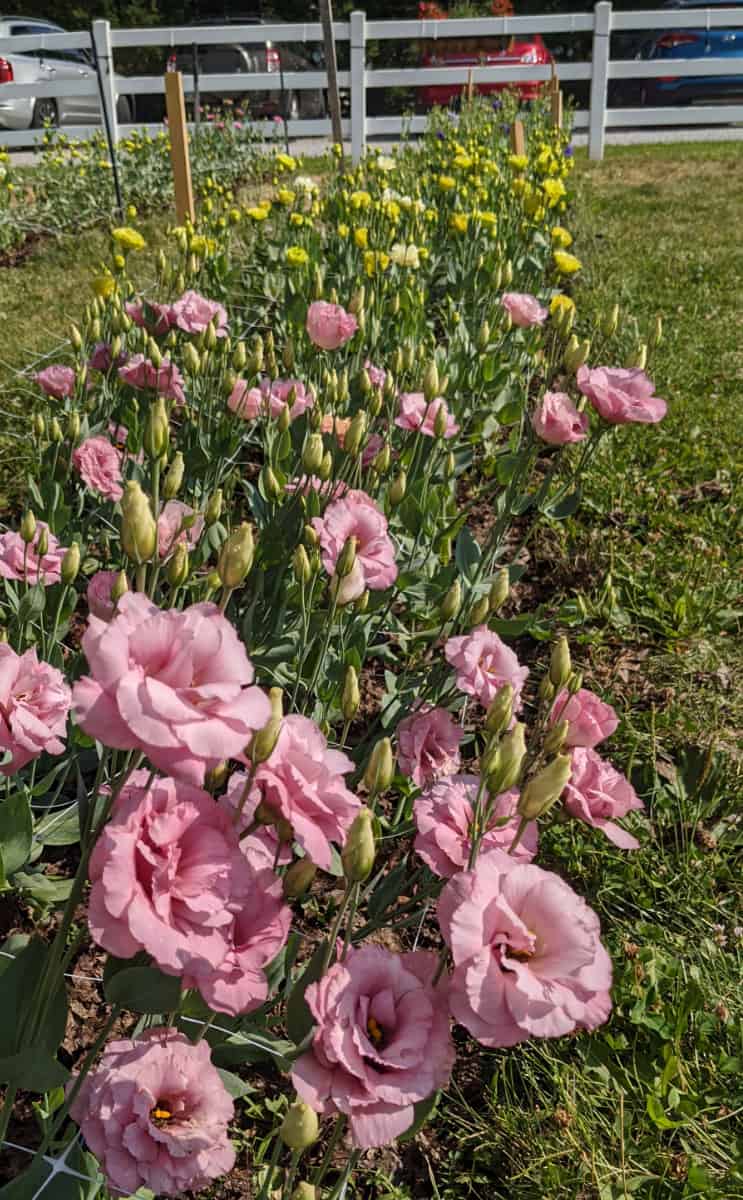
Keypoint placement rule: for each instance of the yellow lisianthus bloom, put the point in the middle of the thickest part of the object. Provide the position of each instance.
(361, 237)
(554, 190)
(519, 162)
(286, 161)
(567, 264)
(258, 213)
(463, 161)
(447, 183)
(391, 209)
(343, 230)
(459, 222)
(359, 199)
(487, 218)
(561, 304)
(296, 218)
(104, 286)
(285, 196)
(297, 256)
(128, 238)
(375, 260)
(519, 186)
(561, 237)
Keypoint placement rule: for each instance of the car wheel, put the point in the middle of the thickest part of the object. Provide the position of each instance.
(45, 113)
(123, 111)
(291, 106)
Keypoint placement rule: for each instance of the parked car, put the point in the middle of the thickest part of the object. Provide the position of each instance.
(257, 58)
(48, 66)
(672, 45)
(473, 53)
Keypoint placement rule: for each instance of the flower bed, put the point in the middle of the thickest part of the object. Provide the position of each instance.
(260, 672)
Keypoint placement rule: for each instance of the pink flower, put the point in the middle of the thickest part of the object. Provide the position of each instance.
(303, 782)
(169, 527)
(381, 1045)
(356, 515)
(483, 664)
(428, 742)
(371, 449)
(337, 425)
(166, 379)
(102, 359)
(98, 464)
(56, 381)
(377, 375)
(193, 314)
(98, 595)
(597, 794)
(13, 554)
(556, 420)
(524, 309)
(329, 325)
(591, 720)
(173, 684)
(34, 703)
(270, 399)
(528, 961)
(329, 488)
(621, 395)
(157, 319)
(155, 1112)
(443, 815)
(417, 415)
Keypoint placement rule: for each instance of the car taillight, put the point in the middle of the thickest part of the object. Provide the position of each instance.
(669, 40)
(273, 59)
(6, 71)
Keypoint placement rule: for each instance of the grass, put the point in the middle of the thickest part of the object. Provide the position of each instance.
(650, 1106)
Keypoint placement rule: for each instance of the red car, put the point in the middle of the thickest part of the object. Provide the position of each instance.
(470, 53)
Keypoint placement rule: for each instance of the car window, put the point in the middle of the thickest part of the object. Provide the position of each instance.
(221, 60)
(69, 56)
(28, 30)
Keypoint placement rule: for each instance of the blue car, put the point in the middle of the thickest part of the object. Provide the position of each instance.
(672, 45)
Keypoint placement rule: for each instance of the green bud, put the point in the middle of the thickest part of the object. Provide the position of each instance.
(575, 682)
(326, 466)
(240, 356)
(639, 358)
(156, 429)
(545, 788)
(576, 353)
(347, 558)
(450, 465)
(300, 1127)
(271, 485)
(507, 273)
(153, 352)
(263, 741)
(560, 666)
(210, 336)
(380, 768)
(381, 462)
(276, 697)
(177, 572)
(479, 612)
(499, 590)
(236, 556)
(555, 737)
(42, 542)
(397, 489)
(363, 382)
(656, 334)
(440, 421)
(505, 770)
(375, 402)
(174, 477)
(500, 711)
(311, 537)
(483, 336)
(39, 425)
(304, 1191)
(76, 338)
(431, 383)
(70, 564)
(298, 878)
(191, 358)
(28, 526)
(213, 510)
(356, 303)
(452, 602)
(55, 431)
(120, 587)
(360, 850)
(610, 321)
(351, 697)
(73, 426)
(301, 565)
(362, 603)
(312, 454)
(355, 433)
(138, 527)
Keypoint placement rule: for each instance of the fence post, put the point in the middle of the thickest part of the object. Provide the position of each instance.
(104, 55)
(599, 80)
(358, 85)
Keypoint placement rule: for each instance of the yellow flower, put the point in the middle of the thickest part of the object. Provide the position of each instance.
(235, 216)
(487, 218)
(391, 209)
(128, 238)
(567, 264)
(447, 183)
(554, 190)
(375, 260)
(258, 213)
(459, 222)
(360, 199)
(361, 238)
(560, 304)
(463, 161)
(405, 256)
(296, 219)
(519, 162)
(343, 230)
(104, 286)
(297, 256)
(561, 237)
(285, 196)
(131, 212)
(286, 161)
(519, 186)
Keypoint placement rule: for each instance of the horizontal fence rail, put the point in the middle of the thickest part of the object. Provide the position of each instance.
(359, 79)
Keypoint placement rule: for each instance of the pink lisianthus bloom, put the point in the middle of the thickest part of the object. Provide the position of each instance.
(157, 319)
(14, 554)
(600, 795)
(382, 1042)
(34, 703)
(166, 379)
(336, 425)
(172, 684)
(416, 415)
(330, 326)
(331, 488)
(102, 359)
(371, 449)
(117, 1107)
(262, 847)
(57, 381)
(428, 742)
(590, 719)
(303, 782)
(444, 814)
(169, 527)
(98, 595)
(356, 515)
(193, 314)
(556, 420)
(98, 464)
(270, 399)
(621, 395)
(524, 309)
(528, 960)
(483, 664)
(377, 375)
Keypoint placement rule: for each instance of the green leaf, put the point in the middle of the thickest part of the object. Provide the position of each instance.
(411, 515)
(140, 988)
(236, 1086)
(35, 1069)
(40, 888)
(423, 1110)
(299, 1019)
(467, 554)
(16, 832)
(657, 1114)
(33, 603)
(565, 507)
(61, 828)
(21, 979)
(251, 1047)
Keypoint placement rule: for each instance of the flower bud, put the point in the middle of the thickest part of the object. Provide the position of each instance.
(263, 741)
(355, 433)
(610, 321)
(39, 425)
(55, 431)
(138, 528)
(191, 358)
(213, 510)
(276, 698)
(346, 558)
(381, 767)
(73, 426)
(28, 526)
(298, 878)
(639, 358)
(240, 356)
(479, 612)
(271, 485)
(452, 602)
(351, 697)
(120, 587)
(440, 421)
(381, 462)
(360, 850)
(362, 603)
(236, 556)
(153, 352)
(656, 334)
(397, 489)
(560, 666)
(431, 385)
(215, 778)
(575, 682)
(42, 544)
(76, 338)
(156, 430)
(500, 712)
(505, 770)
(311, 537)
(499, 590)
(546, 690)
(555, 737)
(301, 565)
(304, 1191)
(313, 452)
(300, 1127)
(210, 336)
(326, 466)
(483, 336)
(545, 788)
(576, 353)
(177, 572)
(507, 273)
(70, 564)
(174, 477)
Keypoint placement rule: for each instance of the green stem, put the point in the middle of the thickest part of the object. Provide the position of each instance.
(329, 1149)
(272, 1162)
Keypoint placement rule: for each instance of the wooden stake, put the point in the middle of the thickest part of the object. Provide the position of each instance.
(470, 84)
(331, 66)
(178, 131)
(518, 141)
(556, 108)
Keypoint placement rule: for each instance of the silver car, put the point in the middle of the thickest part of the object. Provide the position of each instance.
(48, 66)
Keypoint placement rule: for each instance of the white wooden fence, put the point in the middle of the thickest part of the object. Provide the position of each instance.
(359, 79)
